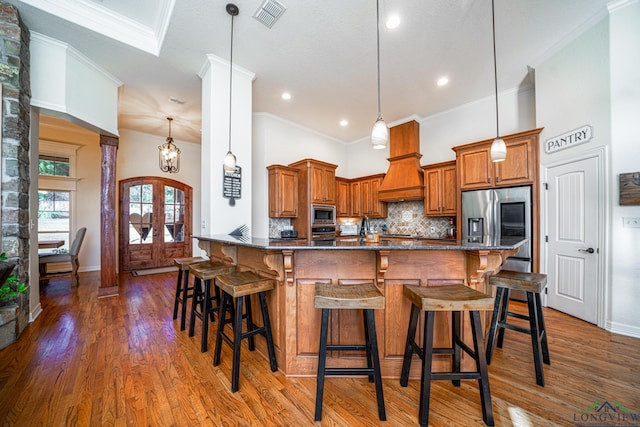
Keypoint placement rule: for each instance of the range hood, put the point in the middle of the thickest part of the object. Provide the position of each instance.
(405, 178)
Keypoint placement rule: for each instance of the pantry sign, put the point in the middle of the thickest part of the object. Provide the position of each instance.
(569, 139)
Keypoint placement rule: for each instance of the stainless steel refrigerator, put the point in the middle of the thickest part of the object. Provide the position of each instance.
(498, 215)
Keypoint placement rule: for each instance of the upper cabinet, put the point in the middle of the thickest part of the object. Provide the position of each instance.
(371, 204)
(283, 192)
(440, 189)
(321, 180)
(476, 170)
(359, 197)
(343, 197)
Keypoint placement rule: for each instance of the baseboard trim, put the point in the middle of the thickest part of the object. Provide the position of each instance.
(623, 329)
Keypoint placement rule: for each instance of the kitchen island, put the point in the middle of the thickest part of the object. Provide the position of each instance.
(297, 265)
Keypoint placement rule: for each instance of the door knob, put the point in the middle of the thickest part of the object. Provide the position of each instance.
(587, 251)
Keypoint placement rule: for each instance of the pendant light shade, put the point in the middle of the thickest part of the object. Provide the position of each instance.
(498, 147)
(229, 164)
(169, 154)
(379, 134)
(380, 131)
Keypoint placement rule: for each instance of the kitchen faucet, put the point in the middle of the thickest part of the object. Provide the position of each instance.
(364, 227)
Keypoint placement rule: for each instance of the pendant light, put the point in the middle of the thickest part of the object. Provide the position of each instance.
(498, 147)
(229, 164)
(169, 155)
(380, 131)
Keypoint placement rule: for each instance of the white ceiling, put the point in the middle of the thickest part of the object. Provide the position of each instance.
(322, 52)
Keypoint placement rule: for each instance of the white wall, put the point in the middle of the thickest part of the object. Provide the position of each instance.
(138, 156)
(594, 81)
(277, 141)
(624, 45)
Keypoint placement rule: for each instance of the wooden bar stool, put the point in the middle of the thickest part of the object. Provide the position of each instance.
(361, 296)
(238, 287)
(454, 298)
(203, 273)
(533, 284)
(182, 293)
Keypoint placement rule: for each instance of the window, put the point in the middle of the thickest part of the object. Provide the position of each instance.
(54, 216)
(53, 165)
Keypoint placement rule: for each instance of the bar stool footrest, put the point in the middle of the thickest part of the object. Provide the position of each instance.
(346, 347)
(514, 328)
(455, 375)
(349, 371)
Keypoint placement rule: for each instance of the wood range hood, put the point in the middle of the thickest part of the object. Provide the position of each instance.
(405, 178)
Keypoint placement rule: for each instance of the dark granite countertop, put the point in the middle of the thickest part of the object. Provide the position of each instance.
(357, 242)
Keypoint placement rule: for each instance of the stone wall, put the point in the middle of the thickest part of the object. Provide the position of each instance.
(14, 162)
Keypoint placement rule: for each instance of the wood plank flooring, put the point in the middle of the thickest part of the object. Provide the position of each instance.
(123, 361)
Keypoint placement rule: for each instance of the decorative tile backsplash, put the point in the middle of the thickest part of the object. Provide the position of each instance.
(402, 218)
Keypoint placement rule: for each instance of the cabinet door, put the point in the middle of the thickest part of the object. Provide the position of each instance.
(343, 197)
(518, 166)
(367, 197)
(316, 174)
(448, 193)
(475, 168)
(329, 185)
(283, 193)
(356, 198)
(378, 208)
(432, 179)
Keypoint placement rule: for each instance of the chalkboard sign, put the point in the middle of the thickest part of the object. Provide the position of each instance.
(232, 184)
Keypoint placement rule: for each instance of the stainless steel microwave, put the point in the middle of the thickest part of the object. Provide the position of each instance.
(323, 215)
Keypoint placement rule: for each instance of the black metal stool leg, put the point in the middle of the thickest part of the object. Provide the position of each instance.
(237, 344)
(372, 345)
(409, 347)
(250, 325)
(206, 312)
(494, 323)
(481, 364)
(367, 343)
(503, 316)
(177, 298)
(224, 307)
(322, 358)
(267, 331)
(535, 338)
(196, 300)
(543, 331)
(185, 297)
(425, 380)
(456, 328)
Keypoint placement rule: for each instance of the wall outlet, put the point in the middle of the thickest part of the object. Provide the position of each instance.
(432, 229)
(631, 222)
(204, 223)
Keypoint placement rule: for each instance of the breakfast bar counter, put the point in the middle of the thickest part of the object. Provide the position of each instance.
(297, 265)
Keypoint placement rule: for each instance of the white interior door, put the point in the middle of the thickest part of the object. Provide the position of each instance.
(573, 233)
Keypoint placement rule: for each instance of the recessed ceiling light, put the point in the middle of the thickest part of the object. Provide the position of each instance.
(442, 81)
(176, 100)
(286, 96)
(393, 22)
(344, 122)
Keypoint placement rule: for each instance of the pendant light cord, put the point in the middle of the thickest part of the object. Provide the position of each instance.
(495, 66)
(378, 51)
(230, 81)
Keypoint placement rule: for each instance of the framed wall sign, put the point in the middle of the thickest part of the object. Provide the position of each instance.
(232, 185)
(630, 189)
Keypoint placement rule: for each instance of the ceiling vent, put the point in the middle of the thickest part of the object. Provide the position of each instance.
(269, 12)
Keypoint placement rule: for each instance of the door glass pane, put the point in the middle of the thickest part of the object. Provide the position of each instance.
(53, 217)
(140, 214)
(173, 214)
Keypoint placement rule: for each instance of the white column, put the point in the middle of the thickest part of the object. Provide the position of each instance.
(218, 217)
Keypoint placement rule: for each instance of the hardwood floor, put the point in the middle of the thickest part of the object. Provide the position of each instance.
(123, 361)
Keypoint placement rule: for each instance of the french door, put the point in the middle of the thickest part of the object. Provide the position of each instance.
(155, 222)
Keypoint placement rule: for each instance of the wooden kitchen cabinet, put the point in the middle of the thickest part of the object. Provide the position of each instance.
(355, 189)
(322, 181)
(283, 192)
(476, 170)
(343, 197)
(372, 207)
(440, 189)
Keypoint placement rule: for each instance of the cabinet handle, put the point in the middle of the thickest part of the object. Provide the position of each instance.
(497, 179)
